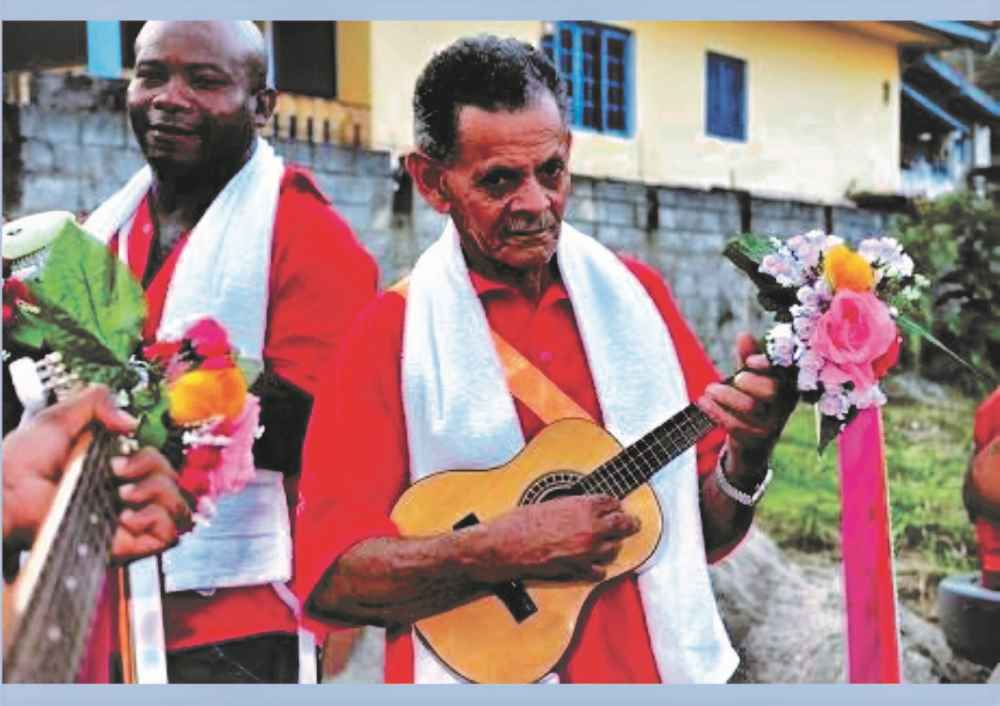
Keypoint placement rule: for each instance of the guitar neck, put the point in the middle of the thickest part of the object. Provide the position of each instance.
(637, 463)
(57, 593)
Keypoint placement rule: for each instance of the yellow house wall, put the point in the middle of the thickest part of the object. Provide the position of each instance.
(354, 63)
(400, 50)
(817, 125)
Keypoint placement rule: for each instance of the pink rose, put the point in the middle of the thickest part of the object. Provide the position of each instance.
(855, 331)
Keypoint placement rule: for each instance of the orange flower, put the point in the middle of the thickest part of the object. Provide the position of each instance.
(845, 269)
(202, 394)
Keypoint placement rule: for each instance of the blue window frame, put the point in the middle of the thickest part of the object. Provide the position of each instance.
(595, 61)
(725, 97)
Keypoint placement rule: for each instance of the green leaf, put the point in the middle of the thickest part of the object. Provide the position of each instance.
(747, 252)
(27, 331)
(912, 327)
(830, 428)
(94, 290)
(153, 423)
(750, 247)
(82, 353)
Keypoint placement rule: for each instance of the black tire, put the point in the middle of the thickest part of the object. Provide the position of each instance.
(970, 617)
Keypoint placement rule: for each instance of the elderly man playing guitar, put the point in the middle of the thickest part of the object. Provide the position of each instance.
(509, 323)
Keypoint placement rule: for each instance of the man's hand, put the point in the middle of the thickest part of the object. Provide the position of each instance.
(753, 410)
(34, 458)
(155, 512)
(572, 538)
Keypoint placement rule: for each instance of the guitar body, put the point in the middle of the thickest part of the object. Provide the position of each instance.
(482, 640)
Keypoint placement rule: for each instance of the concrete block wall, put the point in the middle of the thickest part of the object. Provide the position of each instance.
(75, 148)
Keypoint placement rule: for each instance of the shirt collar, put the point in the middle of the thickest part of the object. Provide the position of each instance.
(487, 286)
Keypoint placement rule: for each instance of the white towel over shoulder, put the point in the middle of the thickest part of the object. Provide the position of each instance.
(459, 414)
(224, 269)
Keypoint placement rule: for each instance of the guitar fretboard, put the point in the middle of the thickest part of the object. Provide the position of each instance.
(639, 462)
(50, 635)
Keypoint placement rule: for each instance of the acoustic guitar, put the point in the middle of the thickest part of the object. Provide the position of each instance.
(55, 596)
(519, 631)
(50, 610)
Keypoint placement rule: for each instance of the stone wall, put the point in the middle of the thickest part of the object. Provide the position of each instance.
(72, 147)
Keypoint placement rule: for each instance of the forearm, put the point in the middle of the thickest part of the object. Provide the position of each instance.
(724, 520)
(389, 580)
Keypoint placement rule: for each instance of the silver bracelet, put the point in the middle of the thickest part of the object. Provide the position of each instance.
(734, 493)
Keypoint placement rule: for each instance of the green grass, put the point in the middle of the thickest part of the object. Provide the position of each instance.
(927, 451)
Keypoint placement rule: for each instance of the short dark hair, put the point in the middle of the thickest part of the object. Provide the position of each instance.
(483, 71)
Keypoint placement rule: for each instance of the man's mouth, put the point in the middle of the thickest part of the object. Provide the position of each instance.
(167, 129)
(528, 233)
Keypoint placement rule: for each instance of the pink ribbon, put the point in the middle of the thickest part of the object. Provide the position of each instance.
(873, 655)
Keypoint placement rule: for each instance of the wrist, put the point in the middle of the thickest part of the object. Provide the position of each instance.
(746, 489)
(477, 554)
(745, 466)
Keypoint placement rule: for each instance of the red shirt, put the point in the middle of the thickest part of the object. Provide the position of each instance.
(987, 425)
(355, 463)
(320, 279)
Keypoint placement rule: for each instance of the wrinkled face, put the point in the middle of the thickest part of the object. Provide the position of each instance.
(190, 101)
(508, 185)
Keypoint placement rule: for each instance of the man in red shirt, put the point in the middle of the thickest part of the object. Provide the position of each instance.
(217, 224)
(493, 148)
(982, 489)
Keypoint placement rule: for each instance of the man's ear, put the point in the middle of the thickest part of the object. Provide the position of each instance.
(428, 175)
(266, 99)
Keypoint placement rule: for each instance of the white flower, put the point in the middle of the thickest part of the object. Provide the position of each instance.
(781, 345)
(831, 241)
(783, 267)
(871, 397)
(887, 256)
(807, 248)
(834, 403)
(810, 361)
(808, 379)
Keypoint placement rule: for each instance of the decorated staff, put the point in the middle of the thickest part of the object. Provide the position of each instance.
(839, 315)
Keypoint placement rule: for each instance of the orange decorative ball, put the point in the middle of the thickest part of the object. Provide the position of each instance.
(845, 269)
(202, 394)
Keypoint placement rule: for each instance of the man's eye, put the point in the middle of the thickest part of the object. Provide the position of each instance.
(497, 180)
(553, 169)
(148, 77)
(206, 82)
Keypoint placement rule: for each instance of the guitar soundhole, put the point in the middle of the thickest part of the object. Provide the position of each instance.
(558, 484)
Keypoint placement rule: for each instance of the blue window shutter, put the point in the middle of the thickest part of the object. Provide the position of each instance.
(104, 49)
(595, 61)
(725, 103)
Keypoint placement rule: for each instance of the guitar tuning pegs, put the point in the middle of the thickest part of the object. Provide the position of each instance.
(127, 445)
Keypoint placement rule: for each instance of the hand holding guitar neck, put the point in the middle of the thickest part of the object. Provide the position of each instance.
(34, 461)
(752, 406)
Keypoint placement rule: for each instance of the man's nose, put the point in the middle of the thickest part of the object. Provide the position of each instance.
(172, 95)
(530, 198)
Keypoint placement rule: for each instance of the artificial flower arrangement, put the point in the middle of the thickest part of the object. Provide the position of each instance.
(188, 390)
(838, 314)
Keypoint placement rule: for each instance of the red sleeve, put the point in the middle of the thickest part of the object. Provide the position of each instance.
(321, 278)
(355, 458)
(987, 425)
(698, 369)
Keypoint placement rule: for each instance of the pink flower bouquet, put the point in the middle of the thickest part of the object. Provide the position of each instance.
(837, 315)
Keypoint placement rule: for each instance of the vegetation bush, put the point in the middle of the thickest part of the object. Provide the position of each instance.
(955, 241)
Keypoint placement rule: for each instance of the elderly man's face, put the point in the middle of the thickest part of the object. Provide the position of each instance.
(507, 188)
(190, 100)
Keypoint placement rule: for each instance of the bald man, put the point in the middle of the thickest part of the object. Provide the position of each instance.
(217, 224)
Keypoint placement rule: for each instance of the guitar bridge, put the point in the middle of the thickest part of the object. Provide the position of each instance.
(511, 593)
